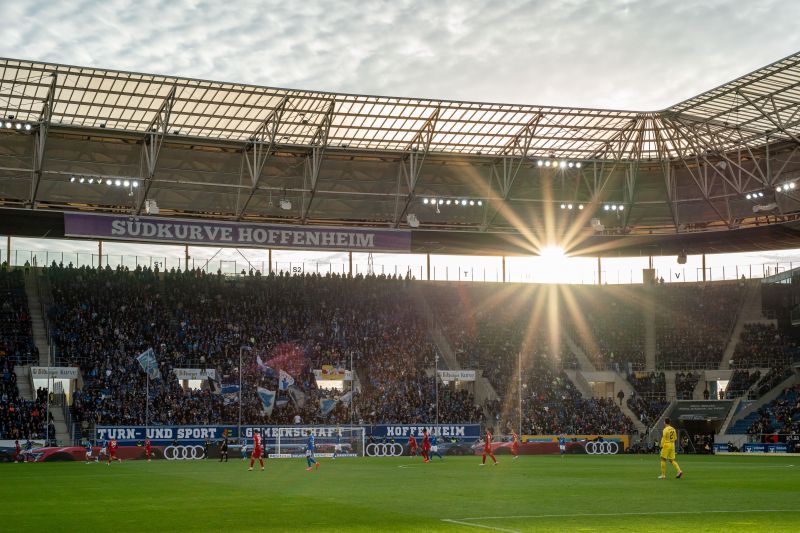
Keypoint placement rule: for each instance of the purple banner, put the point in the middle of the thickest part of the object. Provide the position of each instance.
(180, 231)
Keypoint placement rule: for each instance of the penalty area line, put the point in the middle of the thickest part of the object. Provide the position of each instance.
(470, 524)
(642, 513)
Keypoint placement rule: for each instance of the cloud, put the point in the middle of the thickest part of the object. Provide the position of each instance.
(618, 54)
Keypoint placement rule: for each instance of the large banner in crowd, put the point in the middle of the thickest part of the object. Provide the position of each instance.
(199, 434)
(401, 432)
(55, 372)
(180, 231)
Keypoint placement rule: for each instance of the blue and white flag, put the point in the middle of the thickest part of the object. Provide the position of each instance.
(264, 367)
(346, 398)
(326, 405)
(147, 360)
(267, 399)
(285, 380)
(297, 396)
(230, 394)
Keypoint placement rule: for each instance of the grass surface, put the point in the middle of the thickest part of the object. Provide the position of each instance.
(532, 493)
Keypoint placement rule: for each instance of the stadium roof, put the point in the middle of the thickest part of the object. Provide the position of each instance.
(370, 160)
(743, 111)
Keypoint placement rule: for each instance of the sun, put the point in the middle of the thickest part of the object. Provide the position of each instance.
(552, 253)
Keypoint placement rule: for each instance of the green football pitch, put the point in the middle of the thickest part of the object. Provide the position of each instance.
(532, 493)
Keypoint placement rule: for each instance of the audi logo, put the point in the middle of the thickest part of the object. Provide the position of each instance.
(608, 447)
(182, 453)
(384, 449)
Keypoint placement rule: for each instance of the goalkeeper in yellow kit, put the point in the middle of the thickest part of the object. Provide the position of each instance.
(668, 438)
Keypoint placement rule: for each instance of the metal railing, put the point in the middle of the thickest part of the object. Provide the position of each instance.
(465, 272)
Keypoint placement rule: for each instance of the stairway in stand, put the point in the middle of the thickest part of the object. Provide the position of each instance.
(38, 318)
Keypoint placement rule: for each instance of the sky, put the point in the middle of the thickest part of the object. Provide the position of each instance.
(623, 54)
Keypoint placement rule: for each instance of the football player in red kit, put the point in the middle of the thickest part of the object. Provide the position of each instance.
(256, 452)
(412, 446)
(426, 446)
(147, 449)
(514, 444)
(112, 451)
(487, 448)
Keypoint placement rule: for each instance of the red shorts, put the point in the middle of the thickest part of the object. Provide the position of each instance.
(487, 451)
(147, 451)
(257, 452)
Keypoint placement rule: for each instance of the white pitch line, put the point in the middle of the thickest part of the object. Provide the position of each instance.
(648, 513)
(469, 524)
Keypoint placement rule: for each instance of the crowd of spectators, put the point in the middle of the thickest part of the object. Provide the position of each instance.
(19, 419)
(551, 404)
(762, 345)
(685, 382)
(650, 396)
(694, 322)
(772, 379)
(16, 333)
(609, 326)
(101, 319)
(740, 383)
(781, 416)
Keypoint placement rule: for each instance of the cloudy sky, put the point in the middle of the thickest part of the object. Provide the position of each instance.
(623, 54)
(641, 55)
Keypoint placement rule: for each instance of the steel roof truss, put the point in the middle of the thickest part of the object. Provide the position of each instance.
(153, 140)
(314, 162)
(40, 140)
(261, 146)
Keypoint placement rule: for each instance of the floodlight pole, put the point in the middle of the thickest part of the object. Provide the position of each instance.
(147, 401)
(47, 416)
(436, 384)
(239, 429)
(352, 391)
(519, 393)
